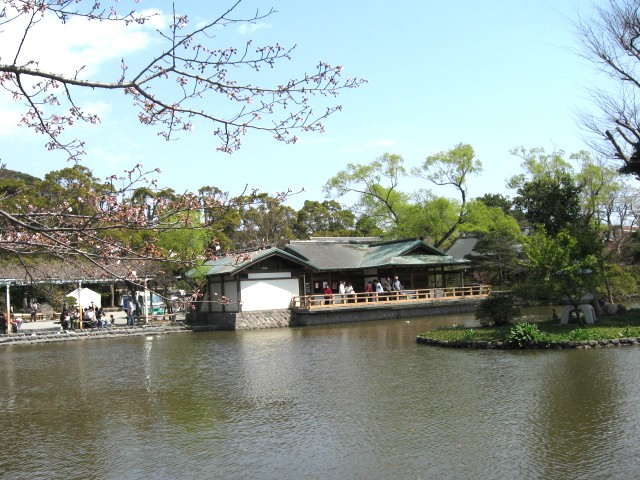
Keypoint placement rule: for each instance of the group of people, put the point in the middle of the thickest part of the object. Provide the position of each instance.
(92, 317)
(386, 285)
(375, 288)
(15, 322)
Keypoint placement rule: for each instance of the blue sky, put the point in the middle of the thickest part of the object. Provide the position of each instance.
(496, 74)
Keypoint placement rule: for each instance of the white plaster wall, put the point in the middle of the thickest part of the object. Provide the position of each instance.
(273, 294)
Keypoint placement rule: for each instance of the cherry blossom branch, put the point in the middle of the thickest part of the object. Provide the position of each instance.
(170, 89)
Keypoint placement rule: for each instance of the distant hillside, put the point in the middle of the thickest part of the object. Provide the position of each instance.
(6, 174)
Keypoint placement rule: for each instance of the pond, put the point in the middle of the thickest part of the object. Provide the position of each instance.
(359, 401)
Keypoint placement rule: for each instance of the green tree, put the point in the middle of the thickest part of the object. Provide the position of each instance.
(562, 267)
(73, 187)
(367, 227)
(451, 168)
(549, 195)
(326, 219)
(498, 310)
(376, 185)
(221, 214)
(499, 239)
(264, 221)
(552, 204)
(430, 218)
(497, 200)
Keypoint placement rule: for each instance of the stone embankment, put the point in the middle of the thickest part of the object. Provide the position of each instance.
(244, 321)
(52, 335)
(615, 342)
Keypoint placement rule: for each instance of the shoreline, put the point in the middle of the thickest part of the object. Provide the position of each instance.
(45, 335)
(535, 345)
(50, 331)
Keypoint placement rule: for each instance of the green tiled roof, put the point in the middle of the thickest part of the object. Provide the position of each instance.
(336, 255)
(332, 255)
(235, 263)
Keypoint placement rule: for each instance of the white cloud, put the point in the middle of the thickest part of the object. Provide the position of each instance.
(60, 48)
(77, 44)
(97, 108)
(10, 115)
(249, 28)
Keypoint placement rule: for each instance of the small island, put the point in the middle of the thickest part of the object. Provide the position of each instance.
(608, 331)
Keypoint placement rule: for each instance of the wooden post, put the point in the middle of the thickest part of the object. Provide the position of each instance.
(146, 305)
(8, 312)
(81, 313)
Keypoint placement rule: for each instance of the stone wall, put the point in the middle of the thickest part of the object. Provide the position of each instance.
(26, 337)
(242, 320)
(388, 312)
(286, 318)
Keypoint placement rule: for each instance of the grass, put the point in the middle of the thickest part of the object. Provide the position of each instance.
(606, 328)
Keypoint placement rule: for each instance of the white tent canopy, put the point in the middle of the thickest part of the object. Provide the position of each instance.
(85, 296)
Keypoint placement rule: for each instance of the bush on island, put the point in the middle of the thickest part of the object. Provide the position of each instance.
(497, 309)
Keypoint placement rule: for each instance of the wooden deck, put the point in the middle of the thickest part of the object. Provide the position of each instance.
(308, 303)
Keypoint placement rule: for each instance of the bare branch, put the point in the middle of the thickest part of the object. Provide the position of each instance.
(171, 88)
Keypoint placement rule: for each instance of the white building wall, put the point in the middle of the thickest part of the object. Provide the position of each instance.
(271, 294)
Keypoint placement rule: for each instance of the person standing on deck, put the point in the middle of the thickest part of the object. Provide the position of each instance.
(396, 286)
(327, 294)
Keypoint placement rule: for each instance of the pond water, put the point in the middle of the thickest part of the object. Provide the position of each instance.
(355, 401)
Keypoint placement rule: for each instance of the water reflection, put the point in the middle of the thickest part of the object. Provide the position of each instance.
(342, 401)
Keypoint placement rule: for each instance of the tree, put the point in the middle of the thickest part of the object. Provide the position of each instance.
(221, 214)
(549, 195)
(564, 267)
(326, 219)
(497, 200)
(497, 250)
(376, 185)
(552, 204)
(452, 168)
(188, 79)
(428, 217)
(264, 221)
(610, 41)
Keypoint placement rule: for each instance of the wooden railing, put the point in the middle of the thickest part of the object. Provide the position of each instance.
(320, 301)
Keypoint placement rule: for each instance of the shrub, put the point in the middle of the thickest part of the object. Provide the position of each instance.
(524, 333)
(497, 310)
(583, 335)
(468, 335)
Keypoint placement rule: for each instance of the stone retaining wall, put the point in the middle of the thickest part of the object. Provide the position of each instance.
(387, 312)
(286, 318)
(52, 336)
(242, 321)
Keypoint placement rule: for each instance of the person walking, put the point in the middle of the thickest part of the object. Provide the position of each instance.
(131, 311)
